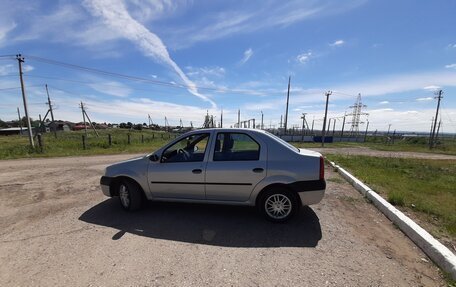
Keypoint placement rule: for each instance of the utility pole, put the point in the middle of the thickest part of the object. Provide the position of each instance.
(334, 126)
(54, 128)
(20, 60)
(221, 119)
(313, 121)
(437, 133)
(150, 120)
(239, 118)
(288, 99)
(84, 118)
(327, 94)
(438, 97)
(304, 129)
(389, 127)
(329, 126)
(343, 126)
(430, 132)
(280, 121)
(262, 126)
(365, 134)
(20, 120)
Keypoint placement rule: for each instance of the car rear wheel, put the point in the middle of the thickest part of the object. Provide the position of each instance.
(279, 205)
(129, 195)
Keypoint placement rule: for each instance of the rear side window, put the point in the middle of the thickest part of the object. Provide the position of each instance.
(235, 147)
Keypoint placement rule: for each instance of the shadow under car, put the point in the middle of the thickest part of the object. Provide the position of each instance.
(219, 225)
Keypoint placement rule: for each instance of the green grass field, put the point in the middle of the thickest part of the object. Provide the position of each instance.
(427, 187)
(70, 143)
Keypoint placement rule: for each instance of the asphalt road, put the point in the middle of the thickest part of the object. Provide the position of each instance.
(58, 229)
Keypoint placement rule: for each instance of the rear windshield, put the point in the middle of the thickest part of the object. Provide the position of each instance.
(282, 142)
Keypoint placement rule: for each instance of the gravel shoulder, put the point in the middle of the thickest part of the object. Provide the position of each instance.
(378, 153)
(58, 229)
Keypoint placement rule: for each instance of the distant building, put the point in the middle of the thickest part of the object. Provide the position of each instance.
(58, 125)
(14, 131)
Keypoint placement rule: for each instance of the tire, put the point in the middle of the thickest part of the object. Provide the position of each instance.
(278, 205)
(130, 196)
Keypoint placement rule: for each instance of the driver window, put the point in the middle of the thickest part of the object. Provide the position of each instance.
(188, 149)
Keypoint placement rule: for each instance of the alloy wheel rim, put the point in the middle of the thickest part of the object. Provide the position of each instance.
(124, 196)
(278, 206)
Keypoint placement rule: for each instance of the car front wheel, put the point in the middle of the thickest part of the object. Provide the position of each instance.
(129, 195)
(278, 206)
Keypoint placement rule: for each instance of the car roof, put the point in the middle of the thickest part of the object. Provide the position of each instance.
(232, 130)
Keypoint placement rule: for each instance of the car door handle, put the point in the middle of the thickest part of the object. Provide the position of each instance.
(258, 170)
(197, 171)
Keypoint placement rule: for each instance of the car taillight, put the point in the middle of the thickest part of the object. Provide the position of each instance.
(322, 168)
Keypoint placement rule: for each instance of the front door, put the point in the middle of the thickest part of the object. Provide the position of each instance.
(237, 165)
(181, 170)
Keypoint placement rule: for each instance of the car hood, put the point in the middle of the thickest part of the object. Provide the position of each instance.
(123, 165)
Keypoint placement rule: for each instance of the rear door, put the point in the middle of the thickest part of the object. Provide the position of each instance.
(237, 163)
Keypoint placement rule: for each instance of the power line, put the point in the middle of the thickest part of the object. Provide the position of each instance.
(136, 78)
(15, 88)
(107, 73)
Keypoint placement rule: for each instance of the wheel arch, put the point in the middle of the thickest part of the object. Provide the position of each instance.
(280, 186)
(113, 187)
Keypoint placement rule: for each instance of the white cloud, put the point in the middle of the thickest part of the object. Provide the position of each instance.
(398, 83)
(304, 57)
(206, 71)
(247, 54)
(431, 88)
(111, 88)
(450, 66)
(152, 10)
(384, 102)
(253, 17)
(424, 99)
(116, 16)
(337, 43)
(7, 69)
(5, 29)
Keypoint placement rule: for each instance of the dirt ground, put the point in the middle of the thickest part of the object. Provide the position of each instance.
(58, 229)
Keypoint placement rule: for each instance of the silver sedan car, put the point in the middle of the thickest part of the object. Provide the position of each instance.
(222, 166)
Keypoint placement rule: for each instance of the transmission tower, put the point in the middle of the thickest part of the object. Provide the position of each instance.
(208, 121)
(356, 115)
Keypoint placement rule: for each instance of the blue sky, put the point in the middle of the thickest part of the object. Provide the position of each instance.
(195, 56)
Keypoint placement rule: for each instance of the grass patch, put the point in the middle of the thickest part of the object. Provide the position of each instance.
(396, 198)
(70, 143)
(425, 186)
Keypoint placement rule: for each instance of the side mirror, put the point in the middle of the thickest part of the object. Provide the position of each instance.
(154, 157)
(195, 148)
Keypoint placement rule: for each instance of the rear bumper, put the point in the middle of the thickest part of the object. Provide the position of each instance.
(310, 192)
(105, 183)
(311, 197)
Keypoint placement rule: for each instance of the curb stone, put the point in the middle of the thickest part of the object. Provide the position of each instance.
(439, 253)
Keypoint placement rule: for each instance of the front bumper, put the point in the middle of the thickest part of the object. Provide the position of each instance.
(105, 183)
